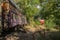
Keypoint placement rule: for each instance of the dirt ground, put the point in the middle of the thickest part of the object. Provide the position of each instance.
(34, 33)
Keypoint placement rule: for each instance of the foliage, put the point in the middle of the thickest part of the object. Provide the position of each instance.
(29, 8)
(49, 10)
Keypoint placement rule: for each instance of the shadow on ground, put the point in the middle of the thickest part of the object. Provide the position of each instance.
(37, 35)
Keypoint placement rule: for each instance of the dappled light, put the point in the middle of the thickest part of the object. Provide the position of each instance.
(29, 19)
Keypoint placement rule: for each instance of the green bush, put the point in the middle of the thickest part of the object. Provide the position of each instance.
(57, 21)
(49, 23)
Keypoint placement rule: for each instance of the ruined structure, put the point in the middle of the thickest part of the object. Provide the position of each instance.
(11, 15)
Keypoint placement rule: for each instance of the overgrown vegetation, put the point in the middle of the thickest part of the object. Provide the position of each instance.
(49, 10)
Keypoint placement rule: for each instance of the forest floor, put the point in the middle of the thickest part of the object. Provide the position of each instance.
(34, 33)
